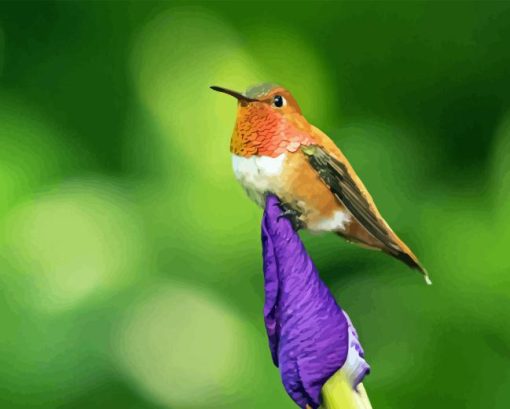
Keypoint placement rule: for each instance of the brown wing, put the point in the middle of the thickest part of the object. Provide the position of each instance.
(341, 183)
(334, 174)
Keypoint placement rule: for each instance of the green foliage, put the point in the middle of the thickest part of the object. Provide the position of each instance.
(130, 263)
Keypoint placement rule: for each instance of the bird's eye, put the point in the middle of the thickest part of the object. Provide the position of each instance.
(278, 101)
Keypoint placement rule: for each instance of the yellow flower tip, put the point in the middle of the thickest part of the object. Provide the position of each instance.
(338, 393)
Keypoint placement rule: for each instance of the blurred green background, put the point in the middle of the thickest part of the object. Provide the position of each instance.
(130, 268)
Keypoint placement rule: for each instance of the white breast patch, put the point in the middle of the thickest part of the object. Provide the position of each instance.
(259, 174)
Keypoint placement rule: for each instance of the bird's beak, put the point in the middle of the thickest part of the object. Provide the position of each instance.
(240, 97)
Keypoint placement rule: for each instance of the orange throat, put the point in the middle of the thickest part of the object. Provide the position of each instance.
(260, 131)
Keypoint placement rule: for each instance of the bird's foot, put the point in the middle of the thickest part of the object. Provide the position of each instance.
(292, 215)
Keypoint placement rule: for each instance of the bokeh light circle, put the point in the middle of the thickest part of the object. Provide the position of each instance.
(183, 348)
(173, 83)
(74, 241)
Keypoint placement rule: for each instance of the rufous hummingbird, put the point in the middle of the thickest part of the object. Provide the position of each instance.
(276, 150)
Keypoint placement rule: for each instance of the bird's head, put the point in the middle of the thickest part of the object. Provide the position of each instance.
(269, 121)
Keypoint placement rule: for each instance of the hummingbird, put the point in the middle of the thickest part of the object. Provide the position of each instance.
(275, 150)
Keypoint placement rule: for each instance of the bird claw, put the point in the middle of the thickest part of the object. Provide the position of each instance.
(292, 215)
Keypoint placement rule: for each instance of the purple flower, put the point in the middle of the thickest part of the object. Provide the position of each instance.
(310, 337)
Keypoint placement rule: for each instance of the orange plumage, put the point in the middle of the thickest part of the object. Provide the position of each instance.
(275, 150)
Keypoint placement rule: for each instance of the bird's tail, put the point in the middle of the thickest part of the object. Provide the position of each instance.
(397, 249)
(412, 261)
(338, 393)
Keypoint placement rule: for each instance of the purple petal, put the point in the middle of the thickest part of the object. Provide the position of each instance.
(271, 293)
(355, 365)
(310, 337)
